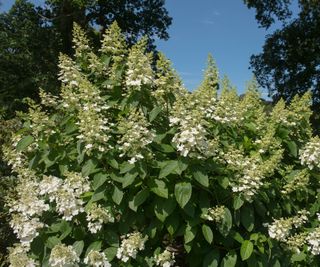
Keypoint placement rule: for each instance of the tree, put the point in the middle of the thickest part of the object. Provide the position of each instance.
(28, 52)
(32, 37)
(290, 61)
(136, 18)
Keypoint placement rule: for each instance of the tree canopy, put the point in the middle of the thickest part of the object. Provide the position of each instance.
(290, 61)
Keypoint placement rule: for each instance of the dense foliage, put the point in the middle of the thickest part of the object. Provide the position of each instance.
(127, 168)
(290, 61)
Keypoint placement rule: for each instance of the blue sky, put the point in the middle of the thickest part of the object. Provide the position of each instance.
(224, 28)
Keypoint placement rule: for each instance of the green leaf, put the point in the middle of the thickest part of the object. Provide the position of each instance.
(189, 234)
(246, 250)
(128, 179)
(24, 143)
(126, 167)
(89, 167)
(98, 195)
(230, 259)
(78, 247)
(169, 167)
(154, 113)
(117, 195)
(223, 181)
(172, 223)
(182, 192)
(111, 253)
(138, 199)
(52, 241)
(163, 208)
(226, 224)
(293, 149)
(207, 233)
(98, 180)
(298, 257)
(201, 178)
(159, 187)
(211, 259)
(237, 202)
(247, 218)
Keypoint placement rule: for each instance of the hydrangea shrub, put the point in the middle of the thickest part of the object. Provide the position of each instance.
(127, 168)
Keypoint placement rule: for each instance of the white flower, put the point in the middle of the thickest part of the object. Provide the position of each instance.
(310, 154)
(165, 259)
(26, 229)
(97, 216)
(313, 240)
(97, 259)
(62, 256)
(18, 257)
(130, 246)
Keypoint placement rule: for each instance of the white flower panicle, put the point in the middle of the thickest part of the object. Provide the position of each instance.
(135, 136)
(66, 193)
(310, 154)
(167, 81)
(113, 41)
(165, 259)
(130, 246)
(25, 228)
(280, 228)
(139, 70)
(80, 41)
(297, 180)
(228, 109)
(62, 256)
(69, 74)
(18, 257)
(215, 214)
(28, 203)
(26, 208)
(96, 259)
(249, 180)
(97, 216)
(313, 241)
(48, 99)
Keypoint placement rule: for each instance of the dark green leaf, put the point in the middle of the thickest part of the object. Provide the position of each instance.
(24, 143)
(159, 187)
(201, 178)
(292, 146)
(189, 234)
(211, 259)
(247, 218)
(89, 167)
(237, 202)
(207, 233)
(111, 253)
(52, 241)
(154, 113)
(98, 180)
(226, 224)
(169, 167)
(138, 199)
(78, 247)
(128, 179)
(163, 208)
(117, 195)
(182, 192)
